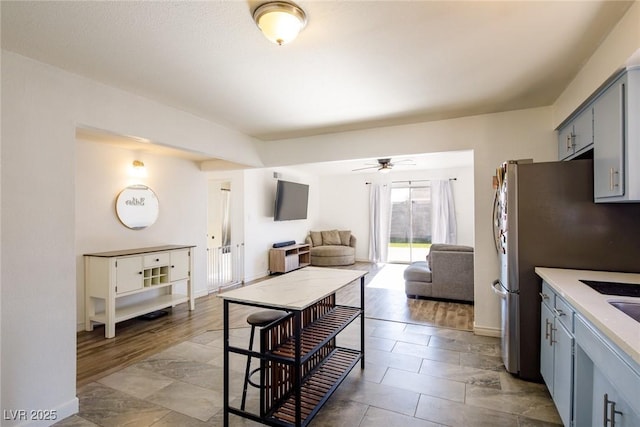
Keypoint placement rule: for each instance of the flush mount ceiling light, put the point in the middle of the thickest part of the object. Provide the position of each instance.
(280, 21)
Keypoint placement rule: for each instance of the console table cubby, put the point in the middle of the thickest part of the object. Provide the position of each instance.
(120, 285)
(289, 258)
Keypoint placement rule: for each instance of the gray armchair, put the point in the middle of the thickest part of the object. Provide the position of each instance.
(447, 273)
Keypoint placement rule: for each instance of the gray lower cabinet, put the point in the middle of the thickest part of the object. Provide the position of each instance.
(607, 383)
(556, 351)
(591, 380)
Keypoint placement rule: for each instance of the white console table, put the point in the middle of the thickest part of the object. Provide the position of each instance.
(116, 280)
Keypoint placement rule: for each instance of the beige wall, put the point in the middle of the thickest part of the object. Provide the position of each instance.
(41, 108)
(493, 138)
(621, 43)
(102, 171)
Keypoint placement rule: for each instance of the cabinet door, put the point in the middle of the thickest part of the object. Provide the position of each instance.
(128, 274)
(583, 131)
(180, 265)
(608, 403)
(609, 139)
(546, 348)
(562, 371)
(565, 142)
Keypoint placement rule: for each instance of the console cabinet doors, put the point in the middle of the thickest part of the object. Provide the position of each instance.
(128, 274)
(180, 265)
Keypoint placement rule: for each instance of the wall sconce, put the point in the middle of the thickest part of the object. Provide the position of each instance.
(280, 21)
(138, 170)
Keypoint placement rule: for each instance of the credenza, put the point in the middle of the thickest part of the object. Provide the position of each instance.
(123, 284)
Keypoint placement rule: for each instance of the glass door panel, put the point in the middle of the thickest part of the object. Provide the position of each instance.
(410, 231)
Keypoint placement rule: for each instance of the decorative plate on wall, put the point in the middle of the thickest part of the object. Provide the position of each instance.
(137, 207)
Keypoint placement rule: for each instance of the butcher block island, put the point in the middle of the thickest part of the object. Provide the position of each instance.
(590, 345)
(300, 363)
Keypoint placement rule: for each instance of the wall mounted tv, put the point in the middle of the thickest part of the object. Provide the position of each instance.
(292, 200)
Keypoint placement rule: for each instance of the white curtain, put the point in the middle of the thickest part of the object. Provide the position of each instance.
(379, 221)
(443, 219)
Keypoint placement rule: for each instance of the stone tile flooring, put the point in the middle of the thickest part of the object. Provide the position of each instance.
(414, 376)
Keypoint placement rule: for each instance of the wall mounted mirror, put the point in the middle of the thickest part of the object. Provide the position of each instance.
(137, 207)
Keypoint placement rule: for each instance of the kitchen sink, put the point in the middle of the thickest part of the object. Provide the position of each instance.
(631, 309)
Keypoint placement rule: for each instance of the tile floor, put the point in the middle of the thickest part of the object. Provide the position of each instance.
(414, 376)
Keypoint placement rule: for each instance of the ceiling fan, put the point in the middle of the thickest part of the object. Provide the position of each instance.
(385, 165)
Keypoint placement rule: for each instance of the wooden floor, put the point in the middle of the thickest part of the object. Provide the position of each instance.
(137, 339)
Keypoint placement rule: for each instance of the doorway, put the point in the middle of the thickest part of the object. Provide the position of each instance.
(410, 229)
(224, 259)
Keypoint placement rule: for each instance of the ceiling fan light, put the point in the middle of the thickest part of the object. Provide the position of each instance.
(384, 168)
(280, 22)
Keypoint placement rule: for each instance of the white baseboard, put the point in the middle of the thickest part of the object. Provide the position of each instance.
(54, 415)
(487, 331)
(201, 293)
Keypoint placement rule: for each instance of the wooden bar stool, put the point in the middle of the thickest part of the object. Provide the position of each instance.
(258, 319)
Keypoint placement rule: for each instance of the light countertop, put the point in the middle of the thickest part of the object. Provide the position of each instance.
(296, 290)
(613, 323)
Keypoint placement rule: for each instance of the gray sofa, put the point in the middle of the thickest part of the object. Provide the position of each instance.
(447, 274)
(332, 247)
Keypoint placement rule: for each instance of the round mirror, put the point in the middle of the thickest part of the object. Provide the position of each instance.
(137, 207)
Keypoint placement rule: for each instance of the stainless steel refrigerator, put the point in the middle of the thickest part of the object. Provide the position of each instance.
(544, 215)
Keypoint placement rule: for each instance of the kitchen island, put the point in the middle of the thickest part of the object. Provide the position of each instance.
(590, 350)
(300, 363)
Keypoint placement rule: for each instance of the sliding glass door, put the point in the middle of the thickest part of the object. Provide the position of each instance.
(410, 231)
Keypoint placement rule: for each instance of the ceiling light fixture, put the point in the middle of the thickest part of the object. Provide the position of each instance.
(280, 21)
(385, 168)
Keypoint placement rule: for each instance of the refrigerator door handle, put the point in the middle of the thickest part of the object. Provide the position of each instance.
(495, 285)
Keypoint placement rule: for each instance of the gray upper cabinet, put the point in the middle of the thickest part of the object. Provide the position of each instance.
(608, 121)
(576, 136)
(609, 135)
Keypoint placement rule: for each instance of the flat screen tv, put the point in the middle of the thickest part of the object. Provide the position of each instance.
(291, 201)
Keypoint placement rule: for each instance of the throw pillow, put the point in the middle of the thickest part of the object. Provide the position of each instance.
(316, 238)
(331, 237)
(345, 237)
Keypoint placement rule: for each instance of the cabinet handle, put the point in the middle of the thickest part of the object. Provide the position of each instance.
(546, 330)
(173, 266)
(544, 296)
(610, 404)
(613, 179)
(139, 272)
(559, 313)
(551, 340)
(570, 141)
(157, 259)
